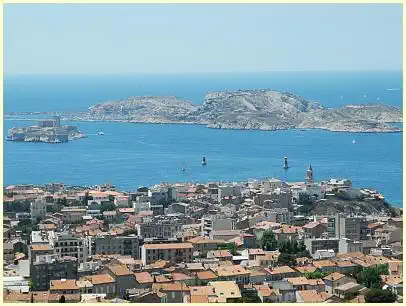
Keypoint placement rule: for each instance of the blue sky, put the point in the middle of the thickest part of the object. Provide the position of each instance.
(180, 38)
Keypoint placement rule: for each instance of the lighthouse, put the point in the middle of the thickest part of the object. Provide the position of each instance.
(285, 165)
(309, 175)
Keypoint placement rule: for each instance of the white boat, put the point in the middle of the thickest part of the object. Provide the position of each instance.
(353, 141)
(101, 133)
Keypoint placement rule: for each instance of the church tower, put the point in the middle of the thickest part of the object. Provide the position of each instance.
(309, 175)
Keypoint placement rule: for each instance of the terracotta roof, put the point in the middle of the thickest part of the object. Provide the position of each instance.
(143, 277)
(306, 269)
(263, 290)
(256, 252)
(311, 296)
(391, 279)
(233, 270)
(203, 275)
(161, 279)
(323, 263)
(176, 276)
(170, 287)
(167, 246)
(119, 270)
(280, 270)
(343, 264)
(63, 284)
(334, 276)
(296, 281)
(159, 264)
(199, 299)
(98, 279)
(41, 247)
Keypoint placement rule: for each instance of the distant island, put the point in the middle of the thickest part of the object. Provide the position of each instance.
(47, 130)
(246, 109)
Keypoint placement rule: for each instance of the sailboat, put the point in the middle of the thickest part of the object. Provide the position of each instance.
(353, 141)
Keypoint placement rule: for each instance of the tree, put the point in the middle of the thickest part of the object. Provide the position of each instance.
(30, 284)
(285, 259)
(62, 299)
(371, 277)
(315, 275)
(380, 296)
(107, 206)
(268, 241)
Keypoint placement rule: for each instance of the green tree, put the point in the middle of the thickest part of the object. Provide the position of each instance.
(268, 241)
(286, 259)
(30, 284)
(107, 206)
(371, 277)
(380, 296)
(315, 275)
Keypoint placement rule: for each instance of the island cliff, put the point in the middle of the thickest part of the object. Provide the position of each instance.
(246, 109)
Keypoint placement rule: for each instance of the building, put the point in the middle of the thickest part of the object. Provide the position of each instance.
(101, 284)
(50, 267)
(36, 250)
(123, 245)
(354, 228)
(316, 244)
(314, 229)
(73, 214)
(66, 244)
(63, 286)
(235, 273)
(124, 278)
(38, 209)
(173, 252)
(159, 229)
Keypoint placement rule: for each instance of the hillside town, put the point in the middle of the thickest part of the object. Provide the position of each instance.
(258, 241)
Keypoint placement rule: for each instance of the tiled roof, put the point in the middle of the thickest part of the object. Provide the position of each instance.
(99, 279)
(334, 276)
(168, 246)
(63, 284)
(143, 277)
(119, 270)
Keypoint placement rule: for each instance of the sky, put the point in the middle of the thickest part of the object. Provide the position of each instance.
(184, 38)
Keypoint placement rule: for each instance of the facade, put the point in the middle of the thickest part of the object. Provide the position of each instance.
(354, 228)
(317, 244)
(38, 209)
(124, 278)
(123, 245)
(66, 244)
(49, 267)
(159, 229)
(173, 252)
(73, 214)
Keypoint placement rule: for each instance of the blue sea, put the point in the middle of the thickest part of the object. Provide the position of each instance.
(132, 155)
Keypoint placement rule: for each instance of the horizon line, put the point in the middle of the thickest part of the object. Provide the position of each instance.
(198, 72)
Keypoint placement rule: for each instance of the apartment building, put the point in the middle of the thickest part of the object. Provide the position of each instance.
(173, 252)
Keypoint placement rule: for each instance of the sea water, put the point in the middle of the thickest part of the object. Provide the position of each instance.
(131, 155)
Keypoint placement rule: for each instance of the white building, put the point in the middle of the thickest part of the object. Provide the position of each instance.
(38, 209)
(271, 184)
(67, 245)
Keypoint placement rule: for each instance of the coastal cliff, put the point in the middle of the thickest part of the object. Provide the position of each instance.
(246, 109)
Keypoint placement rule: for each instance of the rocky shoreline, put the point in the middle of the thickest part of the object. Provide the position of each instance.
(265, 110)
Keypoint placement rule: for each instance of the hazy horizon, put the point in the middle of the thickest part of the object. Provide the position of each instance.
(157, 39)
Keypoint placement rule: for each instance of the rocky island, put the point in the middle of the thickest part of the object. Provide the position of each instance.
(47, 130)
(246, 109)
